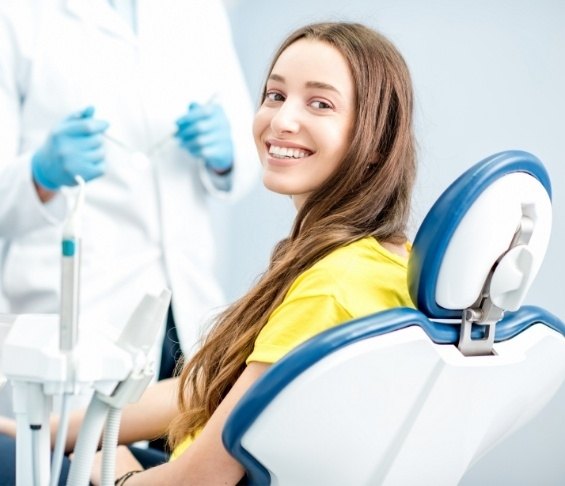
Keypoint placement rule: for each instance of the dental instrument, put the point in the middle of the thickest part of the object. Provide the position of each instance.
(70, 276)
(68, 330)
(118, 142)
(137, 157)
(141, 158)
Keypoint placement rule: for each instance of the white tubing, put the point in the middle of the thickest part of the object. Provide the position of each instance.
(59, 451)
(109, 444)
(87, 442)
(36, 467)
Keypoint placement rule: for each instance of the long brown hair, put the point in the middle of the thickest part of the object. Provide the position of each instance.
(368, 195)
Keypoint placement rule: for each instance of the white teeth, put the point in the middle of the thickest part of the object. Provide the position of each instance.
(273, 150)
(287, 152)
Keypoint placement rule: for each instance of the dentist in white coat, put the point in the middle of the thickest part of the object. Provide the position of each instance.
(120, 93)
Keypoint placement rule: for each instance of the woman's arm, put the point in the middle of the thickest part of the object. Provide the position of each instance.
(206, 462)
(148, 418)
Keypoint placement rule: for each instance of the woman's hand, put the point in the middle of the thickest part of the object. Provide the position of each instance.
(125, 461)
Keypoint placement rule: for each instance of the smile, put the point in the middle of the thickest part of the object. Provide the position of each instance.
(279, 152)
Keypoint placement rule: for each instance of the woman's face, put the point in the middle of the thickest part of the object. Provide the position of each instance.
(303, 128)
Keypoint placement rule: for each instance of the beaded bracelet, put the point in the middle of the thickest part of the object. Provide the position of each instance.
(122, 479)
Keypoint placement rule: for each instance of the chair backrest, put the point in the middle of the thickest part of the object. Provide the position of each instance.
(389, 398)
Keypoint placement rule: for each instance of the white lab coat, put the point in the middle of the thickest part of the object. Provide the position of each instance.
(144, 227)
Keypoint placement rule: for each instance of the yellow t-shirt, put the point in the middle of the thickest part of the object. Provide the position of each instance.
(353, 281)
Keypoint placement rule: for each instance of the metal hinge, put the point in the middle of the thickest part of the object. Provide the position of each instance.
(485, 315)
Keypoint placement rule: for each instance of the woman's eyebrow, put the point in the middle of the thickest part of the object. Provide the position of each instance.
(276, 77)
(321, 85)
(309, 84)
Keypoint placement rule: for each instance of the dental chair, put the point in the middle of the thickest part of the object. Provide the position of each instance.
(416, 396)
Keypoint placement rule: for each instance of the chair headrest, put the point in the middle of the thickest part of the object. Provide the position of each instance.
(487, 233)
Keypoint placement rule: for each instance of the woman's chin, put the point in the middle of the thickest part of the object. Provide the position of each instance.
(274, 184)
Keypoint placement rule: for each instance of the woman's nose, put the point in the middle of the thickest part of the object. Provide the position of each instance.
(286, 119)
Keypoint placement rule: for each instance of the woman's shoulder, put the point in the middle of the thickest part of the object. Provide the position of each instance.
(357, 263)
(366, 251)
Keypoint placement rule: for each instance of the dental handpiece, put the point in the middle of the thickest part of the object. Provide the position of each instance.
(70, 275)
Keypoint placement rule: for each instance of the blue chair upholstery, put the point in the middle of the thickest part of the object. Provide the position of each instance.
(435, 329)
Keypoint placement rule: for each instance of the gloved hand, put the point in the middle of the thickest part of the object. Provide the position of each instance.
(73, 148)
(205, 132)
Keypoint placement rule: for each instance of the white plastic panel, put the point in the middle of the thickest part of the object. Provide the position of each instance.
(486, 232)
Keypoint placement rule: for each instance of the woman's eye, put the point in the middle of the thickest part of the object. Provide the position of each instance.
(274, 96)
(321, 105)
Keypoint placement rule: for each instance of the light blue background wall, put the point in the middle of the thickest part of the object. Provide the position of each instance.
(489, 75)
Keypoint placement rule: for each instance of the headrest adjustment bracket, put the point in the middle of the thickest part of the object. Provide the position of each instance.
(484, 314)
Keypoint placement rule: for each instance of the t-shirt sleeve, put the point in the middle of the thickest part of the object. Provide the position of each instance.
(293, 322)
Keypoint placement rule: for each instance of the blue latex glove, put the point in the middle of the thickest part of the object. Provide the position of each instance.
(205, 132)
(74, 147)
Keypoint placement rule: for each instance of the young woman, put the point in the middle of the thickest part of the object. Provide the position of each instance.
(334, 132)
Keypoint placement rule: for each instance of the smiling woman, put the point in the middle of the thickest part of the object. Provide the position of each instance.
(334, 130)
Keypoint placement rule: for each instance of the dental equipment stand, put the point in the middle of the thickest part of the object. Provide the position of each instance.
(44, 356)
